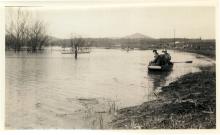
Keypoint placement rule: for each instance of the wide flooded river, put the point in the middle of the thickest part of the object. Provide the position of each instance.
(53, 90)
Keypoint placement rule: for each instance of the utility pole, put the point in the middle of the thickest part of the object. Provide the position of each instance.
(174, 41)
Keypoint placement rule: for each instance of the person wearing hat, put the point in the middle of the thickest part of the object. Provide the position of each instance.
(167, 56)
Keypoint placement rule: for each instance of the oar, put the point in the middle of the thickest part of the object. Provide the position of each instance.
(184, 62)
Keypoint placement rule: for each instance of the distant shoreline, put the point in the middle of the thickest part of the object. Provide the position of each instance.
(207, 53)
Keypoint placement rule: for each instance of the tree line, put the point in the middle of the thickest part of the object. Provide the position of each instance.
(23, 32)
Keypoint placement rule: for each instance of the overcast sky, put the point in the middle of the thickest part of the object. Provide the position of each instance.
(157, 22)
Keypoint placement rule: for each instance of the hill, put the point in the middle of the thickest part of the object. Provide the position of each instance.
(138, 36)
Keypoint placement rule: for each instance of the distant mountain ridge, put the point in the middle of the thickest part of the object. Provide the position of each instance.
(132, 36)
(138, 35)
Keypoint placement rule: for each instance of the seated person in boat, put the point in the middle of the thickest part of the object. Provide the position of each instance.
(166, 57)
(156, 60)
(161, 59)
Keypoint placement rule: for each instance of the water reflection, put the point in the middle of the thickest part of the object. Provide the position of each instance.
(158, 78)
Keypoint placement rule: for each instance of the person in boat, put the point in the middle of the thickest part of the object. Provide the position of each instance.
(166, 57)
(156, 58)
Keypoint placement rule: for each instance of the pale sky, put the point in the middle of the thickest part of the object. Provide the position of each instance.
(156, 22)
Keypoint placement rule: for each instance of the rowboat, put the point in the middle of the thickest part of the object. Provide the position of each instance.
(165, 67)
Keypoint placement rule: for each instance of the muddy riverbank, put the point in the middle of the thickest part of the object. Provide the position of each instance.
(189, 102)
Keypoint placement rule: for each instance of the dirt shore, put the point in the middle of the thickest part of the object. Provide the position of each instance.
(189, 102)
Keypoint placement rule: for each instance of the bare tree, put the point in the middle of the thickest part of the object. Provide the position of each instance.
(16, 29)
(76, 42)
(23, 31)
(37, 36)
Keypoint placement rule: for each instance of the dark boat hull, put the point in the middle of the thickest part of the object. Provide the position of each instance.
(166, 67)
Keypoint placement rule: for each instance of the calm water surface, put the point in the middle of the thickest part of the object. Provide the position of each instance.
(53, 90)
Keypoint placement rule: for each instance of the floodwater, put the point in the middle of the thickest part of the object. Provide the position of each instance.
(53, 90)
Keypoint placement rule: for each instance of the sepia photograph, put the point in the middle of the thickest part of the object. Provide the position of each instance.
(110, 67)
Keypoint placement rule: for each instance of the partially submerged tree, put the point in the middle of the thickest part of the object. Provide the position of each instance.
(37, 37)
(22, 30)
(76, 42)
(16, 29)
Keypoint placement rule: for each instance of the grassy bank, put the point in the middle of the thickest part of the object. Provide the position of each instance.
(189, 102)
